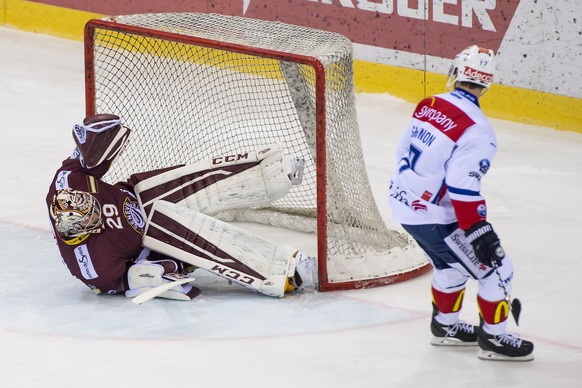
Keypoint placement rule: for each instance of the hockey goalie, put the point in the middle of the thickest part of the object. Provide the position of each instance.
(157, 227)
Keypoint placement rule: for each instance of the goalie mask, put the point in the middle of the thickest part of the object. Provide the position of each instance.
(99, 139)
(75, 213)
(475, 65)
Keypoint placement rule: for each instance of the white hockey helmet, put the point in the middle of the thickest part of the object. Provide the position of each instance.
(75, 213)
(475, 65)
(100, 138)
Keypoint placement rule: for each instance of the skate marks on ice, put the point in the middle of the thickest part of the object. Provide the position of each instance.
(38, 295)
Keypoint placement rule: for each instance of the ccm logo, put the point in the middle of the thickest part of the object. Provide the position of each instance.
(478, 75)
(229, 158)
(232, 274)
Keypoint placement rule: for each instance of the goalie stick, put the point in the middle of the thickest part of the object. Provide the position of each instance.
(156, 291)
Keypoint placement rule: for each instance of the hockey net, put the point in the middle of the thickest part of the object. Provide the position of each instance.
(194, 86)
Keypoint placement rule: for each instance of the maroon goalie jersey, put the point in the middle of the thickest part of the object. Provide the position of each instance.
(101, 257)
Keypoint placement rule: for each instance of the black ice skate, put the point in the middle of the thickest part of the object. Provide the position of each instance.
(505, 347)
(459, 334)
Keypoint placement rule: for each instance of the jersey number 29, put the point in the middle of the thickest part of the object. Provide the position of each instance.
(113, 220)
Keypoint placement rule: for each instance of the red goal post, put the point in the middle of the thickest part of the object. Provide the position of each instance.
(194, 86)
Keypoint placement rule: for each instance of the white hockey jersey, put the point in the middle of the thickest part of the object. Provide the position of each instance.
(446, 150)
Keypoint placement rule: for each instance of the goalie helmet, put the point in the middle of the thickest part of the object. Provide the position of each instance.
(100, 138)
(75, 213)
(475, 65)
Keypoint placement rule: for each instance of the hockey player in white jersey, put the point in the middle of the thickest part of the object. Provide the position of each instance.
(435, 194)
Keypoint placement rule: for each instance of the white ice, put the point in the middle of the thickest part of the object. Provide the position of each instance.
(54, 332)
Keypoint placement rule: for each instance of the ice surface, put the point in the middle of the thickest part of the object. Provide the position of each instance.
(54, 332)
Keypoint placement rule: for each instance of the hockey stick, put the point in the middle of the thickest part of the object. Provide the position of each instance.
(515, 304)
(150, 294)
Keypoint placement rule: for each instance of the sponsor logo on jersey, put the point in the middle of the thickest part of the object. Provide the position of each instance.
(484, 166)
(475, 174)
(478, 75)
(442, 115)
(427, 195)
(417, 205)
(62, 181)
(398, 194)
(482, 210)
(133, 215)
(435, 117)
(84, 262)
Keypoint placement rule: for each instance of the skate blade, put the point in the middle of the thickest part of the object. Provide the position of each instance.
(492, 356)
(447, 341)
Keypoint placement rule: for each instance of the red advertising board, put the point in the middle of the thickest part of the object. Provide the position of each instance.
(435, 27)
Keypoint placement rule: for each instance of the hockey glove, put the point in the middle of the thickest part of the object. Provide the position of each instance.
(145, 275)
(485, 242)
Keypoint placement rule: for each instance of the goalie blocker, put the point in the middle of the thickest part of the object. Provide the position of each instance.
(179, 204)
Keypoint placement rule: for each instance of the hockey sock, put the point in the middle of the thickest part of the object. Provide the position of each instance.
(448, 303)
(494, 314)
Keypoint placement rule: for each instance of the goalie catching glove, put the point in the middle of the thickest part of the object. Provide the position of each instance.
(145, 275)
(486, 244)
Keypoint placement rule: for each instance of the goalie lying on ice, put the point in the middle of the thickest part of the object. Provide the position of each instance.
(157, 227)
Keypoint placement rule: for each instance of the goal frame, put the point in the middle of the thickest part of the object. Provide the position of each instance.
(320, 117)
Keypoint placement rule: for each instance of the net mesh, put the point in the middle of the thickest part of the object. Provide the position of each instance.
(189, 94)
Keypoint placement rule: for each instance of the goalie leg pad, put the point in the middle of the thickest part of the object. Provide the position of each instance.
(223, 249)
(247, 179)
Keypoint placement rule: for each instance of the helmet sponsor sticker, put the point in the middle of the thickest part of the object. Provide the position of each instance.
(477, 75)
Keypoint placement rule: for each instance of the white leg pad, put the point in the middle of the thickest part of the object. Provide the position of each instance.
(223, 249)
(246, 179)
